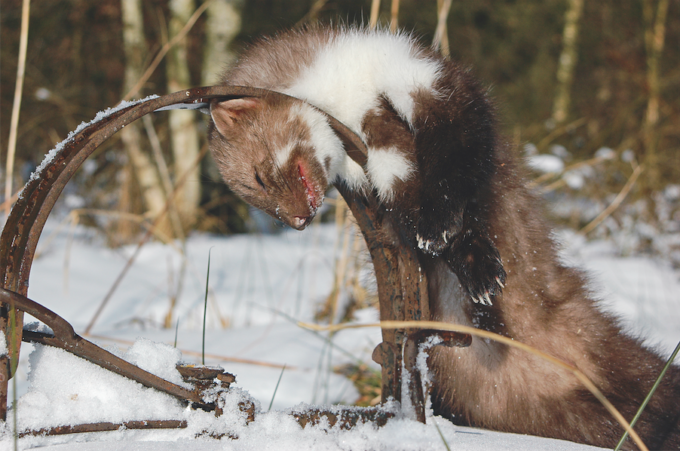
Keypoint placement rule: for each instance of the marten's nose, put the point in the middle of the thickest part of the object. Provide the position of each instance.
(300, 222)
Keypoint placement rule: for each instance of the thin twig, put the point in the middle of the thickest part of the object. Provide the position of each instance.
(614, 205)
(322, 337)
(571, 167)
(500, 339)
(166, 48)
(440, 39)
(7, 204)
(210, 356)
(16, 106)
(139, 219)
(75, 219)
(175, 220)
(559, 131)
(143, 241)
(164, 173)
(313, 13)
(341, 264)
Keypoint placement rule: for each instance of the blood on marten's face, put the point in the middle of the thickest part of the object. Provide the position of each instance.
(265, 155)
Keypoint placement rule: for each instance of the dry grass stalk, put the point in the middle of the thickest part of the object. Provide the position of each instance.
(359, 293)
(7, 204)
(560, 131)
(615, 204)
(579, 164)
(168, 319)
(143, 241)
(126, 216)
(341, 267)
(16, 106)
(500, 339)
(74, 218)
(198, 353)
(164, 173)
(313, 14)
(166, 47)
(365, 380)
(330, 306)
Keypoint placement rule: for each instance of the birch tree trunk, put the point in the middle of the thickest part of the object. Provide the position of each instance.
(441, 35)
(394, 21)
(655, 32)
(183, 132)
(222, 25)
(375, 12)
(567, 62)
(144, 170)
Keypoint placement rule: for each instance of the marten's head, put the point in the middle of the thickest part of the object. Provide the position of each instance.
(278, 154)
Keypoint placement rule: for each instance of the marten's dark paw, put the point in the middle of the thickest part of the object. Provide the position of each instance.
(437, 228)
(476, 262)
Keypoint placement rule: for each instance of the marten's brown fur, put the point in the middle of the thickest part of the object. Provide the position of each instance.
(546, 305)
(458, 193)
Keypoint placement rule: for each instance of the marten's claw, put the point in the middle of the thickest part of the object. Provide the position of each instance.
(434, 243)
(423, 245)
(488, 300)
(476, 262)
(482, 299)
(433, 247)
(437, 228)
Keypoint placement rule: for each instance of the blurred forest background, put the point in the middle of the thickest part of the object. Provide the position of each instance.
(587, 90)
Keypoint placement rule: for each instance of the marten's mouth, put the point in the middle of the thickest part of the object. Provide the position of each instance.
(314, 199)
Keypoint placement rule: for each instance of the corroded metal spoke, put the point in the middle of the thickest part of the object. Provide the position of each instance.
(65, 338)
(104, 427)
(25, 223)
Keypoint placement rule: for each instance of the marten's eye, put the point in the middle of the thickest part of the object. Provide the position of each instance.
(260, 182)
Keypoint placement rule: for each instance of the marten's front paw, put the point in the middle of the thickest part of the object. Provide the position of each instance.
(437, 228)
(476, 262)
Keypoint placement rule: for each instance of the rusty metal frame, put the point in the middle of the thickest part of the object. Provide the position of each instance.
(402, 286)
(66, 338)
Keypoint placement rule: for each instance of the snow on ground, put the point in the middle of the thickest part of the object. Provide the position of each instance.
(257, 284)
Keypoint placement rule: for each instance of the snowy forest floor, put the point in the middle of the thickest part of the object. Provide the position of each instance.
(257, 282)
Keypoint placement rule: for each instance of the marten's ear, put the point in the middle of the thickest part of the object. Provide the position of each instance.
(225, 114)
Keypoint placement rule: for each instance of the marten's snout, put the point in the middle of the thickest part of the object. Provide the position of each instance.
(300, 222)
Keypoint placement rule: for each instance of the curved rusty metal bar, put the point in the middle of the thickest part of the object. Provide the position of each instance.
(25, 223)
(402, 287)
(66, 338)
(27, 219)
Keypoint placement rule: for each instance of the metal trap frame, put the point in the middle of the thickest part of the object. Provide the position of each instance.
(402, 285)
